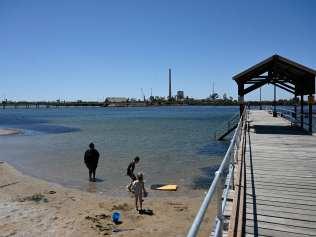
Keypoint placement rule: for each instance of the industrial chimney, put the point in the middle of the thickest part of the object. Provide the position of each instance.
(170, 96)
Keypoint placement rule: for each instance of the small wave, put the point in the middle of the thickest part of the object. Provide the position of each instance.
(37, 129)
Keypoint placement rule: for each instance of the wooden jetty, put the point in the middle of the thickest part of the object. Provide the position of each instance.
(270, 189)
(279, 180)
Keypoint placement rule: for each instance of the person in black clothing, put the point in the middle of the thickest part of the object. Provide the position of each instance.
(91, 158)
(130, 172)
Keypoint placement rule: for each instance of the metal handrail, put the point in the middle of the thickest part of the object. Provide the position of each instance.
(227, 125)
(288, 114)
(232, 149)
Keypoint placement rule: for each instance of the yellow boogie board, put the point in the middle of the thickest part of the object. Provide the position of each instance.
(164, 187)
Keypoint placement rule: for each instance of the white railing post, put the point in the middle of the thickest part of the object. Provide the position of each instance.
(219, 206)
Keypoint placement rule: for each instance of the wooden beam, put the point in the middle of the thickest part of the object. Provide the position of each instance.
(252, 81)
(241, 88)
(284, 88)
(286, 85)
(255, 86)
(263, 76)
(235, 227)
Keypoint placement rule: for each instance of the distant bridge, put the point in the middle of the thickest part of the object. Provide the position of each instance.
(43, 104)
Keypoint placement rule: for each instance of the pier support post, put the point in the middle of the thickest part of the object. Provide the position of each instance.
(302, 111)
(310, 113)
(260, 106)
(241, 98)
(219, 204)
(295, 107)
(241, 105)
(274, 103)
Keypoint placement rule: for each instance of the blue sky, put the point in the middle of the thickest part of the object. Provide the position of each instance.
(93, 49)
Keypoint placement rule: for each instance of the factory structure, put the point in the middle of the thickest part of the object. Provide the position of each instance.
(179, 95)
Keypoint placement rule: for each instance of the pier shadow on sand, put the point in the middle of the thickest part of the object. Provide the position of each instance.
(213, 148)
(205, 180)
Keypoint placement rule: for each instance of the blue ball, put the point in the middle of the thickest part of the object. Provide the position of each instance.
(116, 216)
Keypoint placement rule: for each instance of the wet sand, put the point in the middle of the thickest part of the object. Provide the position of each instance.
(33, 207)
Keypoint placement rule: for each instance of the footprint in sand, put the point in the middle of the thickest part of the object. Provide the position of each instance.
(179, 207)
(121, 207)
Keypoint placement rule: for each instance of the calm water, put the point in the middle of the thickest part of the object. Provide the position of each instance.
(175, 144)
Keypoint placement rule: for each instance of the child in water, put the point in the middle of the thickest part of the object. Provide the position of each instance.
(139, 191)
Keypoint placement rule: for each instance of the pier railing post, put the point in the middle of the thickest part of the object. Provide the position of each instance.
(219, 204)
(295, 108)
(310, 113)
(274, 103)
(302, 111)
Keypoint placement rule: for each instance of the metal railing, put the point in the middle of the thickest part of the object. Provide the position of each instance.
(291, 116)
(295, 118)
(226, 127)
(218, 184)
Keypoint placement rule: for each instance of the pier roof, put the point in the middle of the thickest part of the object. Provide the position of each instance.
(282, 72)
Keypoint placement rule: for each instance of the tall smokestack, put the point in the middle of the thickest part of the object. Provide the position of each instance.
(169, 84)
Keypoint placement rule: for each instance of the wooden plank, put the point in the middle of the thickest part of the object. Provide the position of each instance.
(242, 203)
(274, 213)
(281, 189)
(280, 182)
(284, 221)
(299, 169)
(297, 187)
(305, 180)
(235, 220)
(230, 196)
(262, 191)
(284, 174)
(228, 209)
(285, 188)
(281, 204)
(286, 195)
(308, 204)
(271, 232)
(270, 227)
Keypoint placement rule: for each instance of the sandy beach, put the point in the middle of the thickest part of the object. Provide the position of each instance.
(7, 131)
(32, 207)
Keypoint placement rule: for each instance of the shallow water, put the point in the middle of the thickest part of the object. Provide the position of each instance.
(175, 144)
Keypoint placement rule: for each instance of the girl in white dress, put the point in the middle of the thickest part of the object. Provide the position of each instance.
(139, 191)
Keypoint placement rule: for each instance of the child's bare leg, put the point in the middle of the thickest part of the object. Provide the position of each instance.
(141, 201)
(136, 202)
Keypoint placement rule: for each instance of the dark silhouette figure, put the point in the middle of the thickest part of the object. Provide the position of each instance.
(130, 172)
(91, 158)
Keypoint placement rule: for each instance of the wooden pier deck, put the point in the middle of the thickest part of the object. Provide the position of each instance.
(280, 163)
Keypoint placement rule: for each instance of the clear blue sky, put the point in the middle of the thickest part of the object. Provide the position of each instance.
(93, 49)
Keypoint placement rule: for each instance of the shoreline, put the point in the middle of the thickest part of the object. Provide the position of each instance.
(33, 207)
(9, 131)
